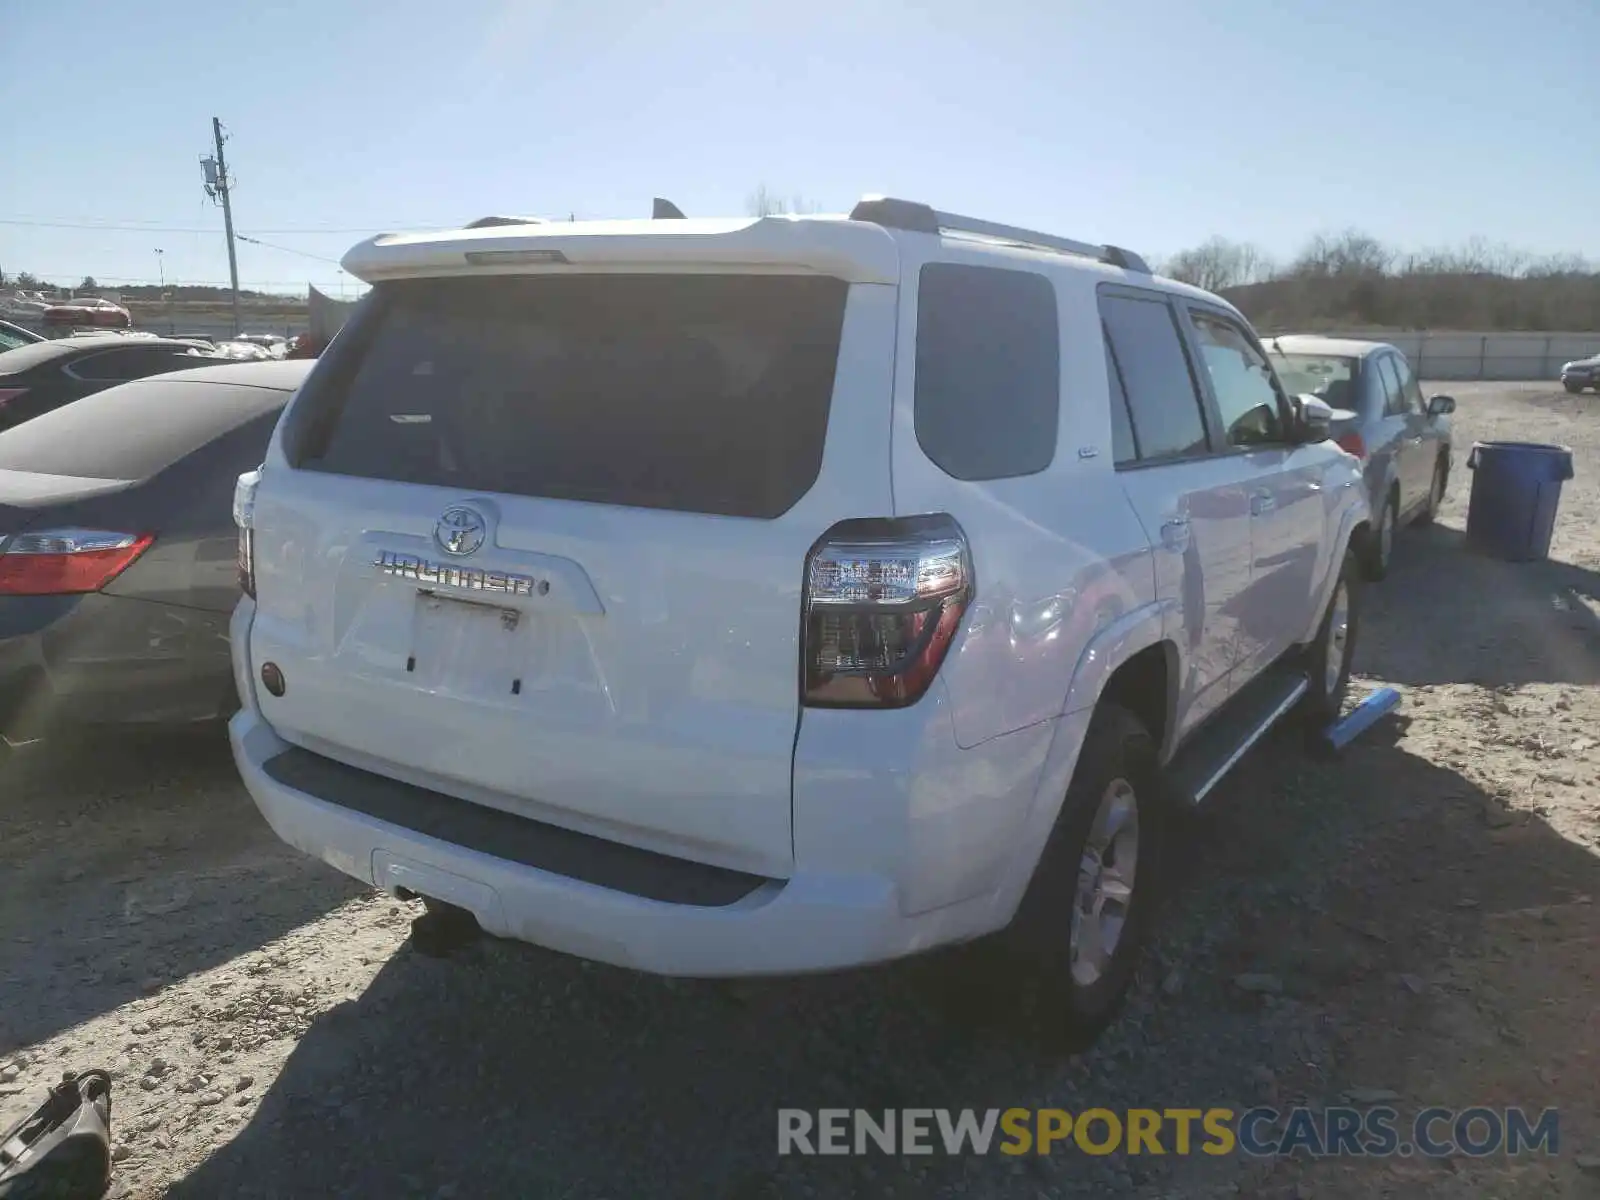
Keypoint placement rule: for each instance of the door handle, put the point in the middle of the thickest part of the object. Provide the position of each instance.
(1262, 502)
(1175, 533)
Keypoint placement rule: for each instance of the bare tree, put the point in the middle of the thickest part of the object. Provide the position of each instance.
(1219, 264)
(764, 202)
(1349, 253)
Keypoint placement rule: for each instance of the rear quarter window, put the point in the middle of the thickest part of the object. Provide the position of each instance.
(988, 374)
(695, 393)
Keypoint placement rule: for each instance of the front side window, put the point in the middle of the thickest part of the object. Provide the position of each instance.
(1247, 395)
(1394, 403)
(988, 382)
(1410, 389)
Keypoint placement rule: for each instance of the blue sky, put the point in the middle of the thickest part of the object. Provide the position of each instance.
(1151, 123)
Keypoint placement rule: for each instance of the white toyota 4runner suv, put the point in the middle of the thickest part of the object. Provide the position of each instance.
(725, 597)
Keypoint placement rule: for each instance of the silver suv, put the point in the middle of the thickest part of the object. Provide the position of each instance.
(725, 597)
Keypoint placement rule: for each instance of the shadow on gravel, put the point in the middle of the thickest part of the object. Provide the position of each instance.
(128, 863)
(1448, 615)
(510, 1071)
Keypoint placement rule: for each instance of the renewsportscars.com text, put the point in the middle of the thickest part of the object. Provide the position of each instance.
(1259, 1132)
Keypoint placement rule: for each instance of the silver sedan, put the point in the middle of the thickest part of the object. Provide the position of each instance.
(1402, 440)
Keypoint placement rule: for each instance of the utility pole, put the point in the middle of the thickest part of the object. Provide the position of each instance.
(219, 186)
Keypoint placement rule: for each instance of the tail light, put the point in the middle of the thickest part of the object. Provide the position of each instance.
(9, 394)
(64, 562)
(1353, 443)
(244, 516)
(883, 601)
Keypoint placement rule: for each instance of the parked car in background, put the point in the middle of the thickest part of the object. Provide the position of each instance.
(1403, 441)
(240, 350)
(117, 548)
(807, 596)
(13, 336)
(26, 306)
(88, 310)
(1581, 373)
(37, 378)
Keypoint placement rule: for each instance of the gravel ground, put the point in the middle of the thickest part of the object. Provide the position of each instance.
(1423, 910)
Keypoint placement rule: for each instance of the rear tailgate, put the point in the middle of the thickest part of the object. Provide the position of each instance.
(538, 540)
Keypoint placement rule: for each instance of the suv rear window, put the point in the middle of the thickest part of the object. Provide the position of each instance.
(697, 393)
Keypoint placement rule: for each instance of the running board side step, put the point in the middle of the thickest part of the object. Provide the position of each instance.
(1219, 744)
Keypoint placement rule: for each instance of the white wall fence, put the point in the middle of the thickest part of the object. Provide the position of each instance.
(1439, 355)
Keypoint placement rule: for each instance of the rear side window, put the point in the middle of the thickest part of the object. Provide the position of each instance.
(988, 370)
(1162, 397)
(697, 393)
(1124, 446)
(117, 365)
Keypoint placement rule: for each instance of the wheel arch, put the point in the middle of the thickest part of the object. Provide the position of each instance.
(1129, 659)
(1354, 528)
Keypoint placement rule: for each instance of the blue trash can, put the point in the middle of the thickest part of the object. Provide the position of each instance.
(1516, 489)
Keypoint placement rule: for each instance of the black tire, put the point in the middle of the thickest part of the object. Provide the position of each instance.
(1575, 388)
(1324, 700)
(1436, 487)
(1117, 751)
(1375, 557)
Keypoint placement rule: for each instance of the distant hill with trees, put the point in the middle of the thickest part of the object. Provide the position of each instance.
(1353, 279)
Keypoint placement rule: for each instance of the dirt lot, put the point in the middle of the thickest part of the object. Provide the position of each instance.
(1425, 910)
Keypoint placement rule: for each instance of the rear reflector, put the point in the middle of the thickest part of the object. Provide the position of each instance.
(64, 562)
(883, 602)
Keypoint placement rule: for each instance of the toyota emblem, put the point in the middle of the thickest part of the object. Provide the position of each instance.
(460, 530)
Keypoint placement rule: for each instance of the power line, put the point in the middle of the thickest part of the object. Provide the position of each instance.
(286, 249)
(110, 227)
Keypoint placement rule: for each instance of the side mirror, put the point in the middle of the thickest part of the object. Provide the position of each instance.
(1316, 418)
(1440, 406)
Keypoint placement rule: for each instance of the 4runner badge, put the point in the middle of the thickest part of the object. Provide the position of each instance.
(460, 530)
(470, 579)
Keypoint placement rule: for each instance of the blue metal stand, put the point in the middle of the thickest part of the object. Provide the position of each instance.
(1362, 718)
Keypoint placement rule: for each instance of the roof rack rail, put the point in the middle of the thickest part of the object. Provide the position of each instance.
(917, 217)
(488, 222)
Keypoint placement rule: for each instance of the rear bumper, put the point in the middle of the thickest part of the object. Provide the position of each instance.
(903, 842)
(808, 922)
(106, 660)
